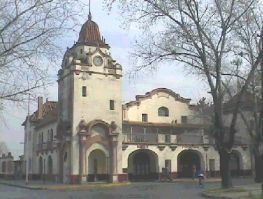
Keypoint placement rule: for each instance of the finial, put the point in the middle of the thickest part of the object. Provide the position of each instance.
(89, 17)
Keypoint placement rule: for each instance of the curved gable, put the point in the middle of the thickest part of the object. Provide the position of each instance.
(160, 92)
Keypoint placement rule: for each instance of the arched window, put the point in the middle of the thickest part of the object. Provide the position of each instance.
(163, 111)
(40, 166)
(50, 165)
(51, 135)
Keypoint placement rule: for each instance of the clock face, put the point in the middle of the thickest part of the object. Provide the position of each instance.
(98, 61)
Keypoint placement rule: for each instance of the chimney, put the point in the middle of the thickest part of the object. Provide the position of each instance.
(39, 107)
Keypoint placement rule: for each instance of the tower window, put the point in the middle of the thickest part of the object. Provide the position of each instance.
(145, 117)
(84, 91)
(112, 105)
(163, 111)
(81, 51)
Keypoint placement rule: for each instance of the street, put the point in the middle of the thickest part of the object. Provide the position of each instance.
(147, 190)
(136, 191)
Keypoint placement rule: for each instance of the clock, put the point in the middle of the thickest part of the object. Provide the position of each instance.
(98, 61)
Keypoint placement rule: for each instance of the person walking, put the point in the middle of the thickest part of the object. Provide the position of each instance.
(201, 177)
(193, 171)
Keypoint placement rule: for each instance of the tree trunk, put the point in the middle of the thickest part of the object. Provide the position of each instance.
(225, 169)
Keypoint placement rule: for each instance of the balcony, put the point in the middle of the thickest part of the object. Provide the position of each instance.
(46, 145)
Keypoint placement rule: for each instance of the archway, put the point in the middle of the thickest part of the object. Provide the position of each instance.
(97, 166)
(186, 161)
(235, 163)
(143, 165)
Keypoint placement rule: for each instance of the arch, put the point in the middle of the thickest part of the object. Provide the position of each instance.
(143, 165)
(97, 146)
(235, 163)
(50, 165)
(189, 162)
(40, 165)
(100, 123)
(97, 166)
(98, 129)
(163, 111)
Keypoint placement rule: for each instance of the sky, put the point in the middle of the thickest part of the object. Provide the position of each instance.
(120, 39)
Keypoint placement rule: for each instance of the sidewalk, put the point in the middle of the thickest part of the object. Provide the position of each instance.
(206, 180)
(237, 192)
(39, 185)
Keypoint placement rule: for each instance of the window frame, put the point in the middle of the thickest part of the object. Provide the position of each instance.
(112, 105)
(163, 111)
(84, 91)
(144, 117)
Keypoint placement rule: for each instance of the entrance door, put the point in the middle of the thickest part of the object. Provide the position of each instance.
(97, 166)
(142, 166)
(188, 163)
(212, 167)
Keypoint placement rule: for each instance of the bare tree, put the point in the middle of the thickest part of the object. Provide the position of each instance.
(200, 34)
(29, 44)
(250, 34)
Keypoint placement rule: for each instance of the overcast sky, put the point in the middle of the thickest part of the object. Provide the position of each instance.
(170, 76)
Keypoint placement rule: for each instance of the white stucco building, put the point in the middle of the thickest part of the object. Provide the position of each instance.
(89, 135)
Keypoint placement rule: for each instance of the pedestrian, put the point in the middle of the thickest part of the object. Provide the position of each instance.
(193, 171)
(201, 177)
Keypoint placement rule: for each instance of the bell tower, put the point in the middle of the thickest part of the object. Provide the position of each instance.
(90, 109)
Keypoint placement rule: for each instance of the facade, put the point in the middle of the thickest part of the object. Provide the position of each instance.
(89, 135)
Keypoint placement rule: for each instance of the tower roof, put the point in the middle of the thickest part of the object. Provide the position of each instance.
(90, 34)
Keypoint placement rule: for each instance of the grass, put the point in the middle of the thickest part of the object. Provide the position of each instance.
(230, 190)
(258, 197)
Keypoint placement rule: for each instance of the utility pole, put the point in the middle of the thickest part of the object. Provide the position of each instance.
(261, 114)
(27, 134)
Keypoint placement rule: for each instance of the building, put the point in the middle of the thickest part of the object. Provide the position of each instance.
(89, 135)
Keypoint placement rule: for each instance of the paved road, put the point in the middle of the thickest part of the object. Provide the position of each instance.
(133, 191)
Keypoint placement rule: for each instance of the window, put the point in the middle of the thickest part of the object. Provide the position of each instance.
(42, 137)
(184, 119)
(145, 117)
(65, 156)
(168, 138)
(48, 135)
(163, 111)
(51, 135)
(84, 91)
(81, 51)
(112, 105)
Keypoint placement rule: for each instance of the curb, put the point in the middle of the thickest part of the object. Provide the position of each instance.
(23, 186)
(65, 187)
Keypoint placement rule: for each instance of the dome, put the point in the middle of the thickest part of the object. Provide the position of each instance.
(90, 34)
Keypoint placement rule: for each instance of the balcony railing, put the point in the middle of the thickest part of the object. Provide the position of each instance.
(140, 138)
(46, 145)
